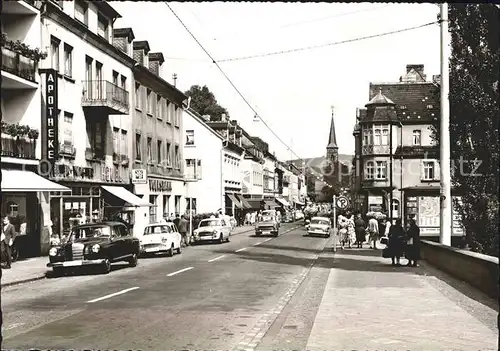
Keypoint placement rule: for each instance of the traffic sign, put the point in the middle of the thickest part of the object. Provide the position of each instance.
(342, 202)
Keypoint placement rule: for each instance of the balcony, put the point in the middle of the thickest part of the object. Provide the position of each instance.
(375, 150)
(191, 174)
(105, 96)
(67, 150)
(18, 147)
(18, 71)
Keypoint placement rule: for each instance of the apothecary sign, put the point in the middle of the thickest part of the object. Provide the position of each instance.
(52, 132)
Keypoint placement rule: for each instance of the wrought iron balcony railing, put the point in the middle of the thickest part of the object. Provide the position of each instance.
(375, 150)
(101, 93)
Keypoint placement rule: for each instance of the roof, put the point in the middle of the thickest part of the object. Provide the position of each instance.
(414, 101)
(124, 32)
(379, 99)
(332, 138)
(202, 121)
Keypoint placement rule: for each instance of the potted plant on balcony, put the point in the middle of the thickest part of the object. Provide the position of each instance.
(22, 48)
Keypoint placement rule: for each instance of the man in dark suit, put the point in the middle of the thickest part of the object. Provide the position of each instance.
(8, 237)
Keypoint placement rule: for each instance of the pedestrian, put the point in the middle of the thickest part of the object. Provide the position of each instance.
(413, 244)
(176, 220)
(359, 228)
(7, 240)
(373, 232)
(182, 227)
(397, 241)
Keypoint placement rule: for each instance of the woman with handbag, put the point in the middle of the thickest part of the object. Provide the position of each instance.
(413, 244)
(396, 245)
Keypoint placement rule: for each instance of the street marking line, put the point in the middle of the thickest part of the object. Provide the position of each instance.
(215, 259)
(113, 295)
(268, 240)
(260, 242)
(14, 325)
(180, 271)
(243, 249)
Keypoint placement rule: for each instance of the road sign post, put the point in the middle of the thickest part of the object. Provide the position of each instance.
(334, 222)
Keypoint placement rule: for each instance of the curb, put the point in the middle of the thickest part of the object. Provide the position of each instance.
(22, 281)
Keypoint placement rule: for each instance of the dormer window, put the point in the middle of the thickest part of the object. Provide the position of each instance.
(430, 107)
(103, 27)
(81, 12)
(402, 107)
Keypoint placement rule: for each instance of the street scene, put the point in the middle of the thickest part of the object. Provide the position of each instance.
(196, 182)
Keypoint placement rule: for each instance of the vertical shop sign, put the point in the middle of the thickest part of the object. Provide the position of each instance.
(51, 138)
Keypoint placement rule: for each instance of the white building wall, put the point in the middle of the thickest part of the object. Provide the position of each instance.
(269, 187)
(232, 166)
(208, 189)
(257, 188)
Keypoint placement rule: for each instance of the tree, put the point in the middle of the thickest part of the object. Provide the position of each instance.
(204, 102)
(474, 98)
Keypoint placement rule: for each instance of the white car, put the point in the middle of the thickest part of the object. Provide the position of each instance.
(161, 238)
(319, 226)
(299, 215)
(212, 229)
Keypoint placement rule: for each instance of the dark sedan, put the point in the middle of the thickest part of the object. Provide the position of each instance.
(96, 244)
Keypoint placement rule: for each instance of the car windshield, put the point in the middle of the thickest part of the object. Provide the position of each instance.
(266, 218)
(209, 223)
(267, 213)
(90, 232)
(157, 229)
(320, 222)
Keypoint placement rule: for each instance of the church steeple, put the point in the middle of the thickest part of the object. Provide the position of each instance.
(332, 148)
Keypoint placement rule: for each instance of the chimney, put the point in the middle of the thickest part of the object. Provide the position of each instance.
(417, 68)
(141, 51)
(206, 118)
(155, 61)
(122, 38)
(436, 79)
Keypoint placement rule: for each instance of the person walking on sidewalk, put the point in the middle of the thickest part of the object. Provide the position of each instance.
(7, 240)
(359, 227)
(397, 240)
(413, 244)
(183, 227)
(373, 232)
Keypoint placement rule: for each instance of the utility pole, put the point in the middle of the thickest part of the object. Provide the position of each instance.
(174, 77)
(444, 138)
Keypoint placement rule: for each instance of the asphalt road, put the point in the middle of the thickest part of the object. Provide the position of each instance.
(220, 296)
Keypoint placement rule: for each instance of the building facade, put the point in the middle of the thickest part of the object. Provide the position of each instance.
(204, 157)
(397, 160)
(94, 79)
(21, 129)
(158, 161)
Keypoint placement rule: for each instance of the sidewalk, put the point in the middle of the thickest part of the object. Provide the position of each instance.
(369, 305)
(24, 271)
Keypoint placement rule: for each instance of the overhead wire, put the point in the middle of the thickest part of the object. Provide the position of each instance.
(312, 47)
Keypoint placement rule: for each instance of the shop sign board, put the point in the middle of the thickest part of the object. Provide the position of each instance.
(139, 176)
(96, 173)
(51, 130)
(159, 185)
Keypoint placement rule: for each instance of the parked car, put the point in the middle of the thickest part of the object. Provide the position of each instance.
(267, 224)
(212, 229)
(96, 244)
(161, 238)
(319, 226)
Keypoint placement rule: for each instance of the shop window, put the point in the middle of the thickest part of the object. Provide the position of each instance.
(395, 208)
(177, 204)
(166, 200)
(12, 209)
(153, 199)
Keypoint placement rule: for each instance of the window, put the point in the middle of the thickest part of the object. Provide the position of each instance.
(150, 149)
(123, 82)
(68, 60)
(115, 78)
(138, 153)
(123, 143)
(99, 81)
(430, 107)
(402, 107)
(159, 156)
(385, 136)
(81, 11)
(137, 96)
(159, 107)
(381, 170)
(169, 112)
(12, 209)
(169, 154)
(102, 26)
(369, 170)
(368, 137)
(395, 209)
(177, 204)
(95, 131)
(177, 157)
(54, 52)
(417, 134)
(166, 200)
(198, 169)
(378, 137)
(429, 170)
(149, 101)
(176, 116)
(190, 137)
(116, 140)
(153, 199)
(68, 129)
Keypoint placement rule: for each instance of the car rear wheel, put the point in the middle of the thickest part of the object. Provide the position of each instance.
(133, 261)
(179, 249)
(106, 266)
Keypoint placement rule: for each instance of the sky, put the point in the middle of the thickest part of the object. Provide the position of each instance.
(294, 92)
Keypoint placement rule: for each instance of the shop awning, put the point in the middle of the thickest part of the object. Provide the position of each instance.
(235, 200)
(14, 180)
(130, 199)
(283, 202)
(296, 200)
(244, 202)
(271, 204)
